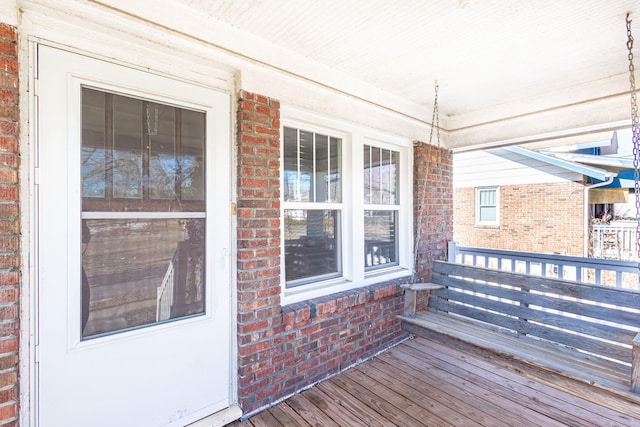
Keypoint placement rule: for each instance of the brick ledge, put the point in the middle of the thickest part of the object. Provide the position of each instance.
(301, 313)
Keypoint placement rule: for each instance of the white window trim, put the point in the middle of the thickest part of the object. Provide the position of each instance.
(476, 205)
(353, 138)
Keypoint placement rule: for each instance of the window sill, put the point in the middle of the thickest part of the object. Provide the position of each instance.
(333, 286)
(301, 313)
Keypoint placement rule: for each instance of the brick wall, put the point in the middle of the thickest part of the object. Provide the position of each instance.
(281, 350)
(433, 200)
(533, 218)
(9, 226)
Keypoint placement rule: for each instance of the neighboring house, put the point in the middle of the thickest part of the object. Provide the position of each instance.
(197, 221)
(538, 201)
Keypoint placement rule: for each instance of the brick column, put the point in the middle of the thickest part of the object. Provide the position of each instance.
(433, 205)
(259, 310)
(9, 225)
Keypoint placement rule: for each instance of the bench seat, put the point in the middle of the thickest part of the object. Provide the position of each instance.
(581, 332)
(552, 358)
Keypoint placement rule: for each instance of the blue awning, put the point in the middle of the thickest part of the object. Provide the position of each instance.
(624, 179)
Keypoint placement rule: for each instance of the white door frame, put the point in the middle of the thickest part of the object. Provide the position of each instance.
(29, 357)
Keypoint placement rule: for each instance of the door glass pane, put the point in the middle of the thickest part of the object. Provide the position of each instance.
(311, 245)
(138, 269)
(137, 272)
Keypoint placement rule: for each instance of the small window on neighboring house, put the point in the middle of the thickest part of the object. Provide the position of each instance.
(487, 206)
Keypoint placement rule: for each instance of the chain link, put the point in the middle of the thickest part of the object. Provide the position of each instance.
(635, 130)
(435, 119)
(435, 123)
(152, 129)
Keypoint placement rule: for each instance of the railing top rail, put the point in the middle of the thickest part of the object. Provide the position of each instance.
(631, 266)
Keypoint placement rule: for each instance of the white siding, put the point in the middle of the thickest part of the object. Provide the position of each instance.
(501, 167)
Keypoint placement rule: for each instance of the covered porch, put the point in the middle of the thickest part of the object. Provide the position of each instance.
(423, 382)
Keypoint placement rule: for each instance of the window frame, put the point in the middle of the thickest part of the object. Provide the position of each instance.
(354, 138)
(479, 221)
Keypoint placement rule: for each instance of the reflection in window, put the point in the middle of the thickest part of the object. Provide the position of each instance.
(381, 244)
(312, 175)
(311, 167)
(381, 169)
(140, 155)
(143, 170)
(311, 245)
(138, 272)
(380, 176)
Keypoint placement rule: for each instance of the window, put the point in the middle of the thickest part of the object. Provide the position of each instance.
(345, 223)
(487, 206)
(381, 207)
(143, 212)
(312, 184)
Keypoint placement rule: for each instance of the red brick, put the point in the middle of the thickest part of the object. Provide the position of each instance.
(8, 96)
(8, 81)
(9, 143)
(8, 32)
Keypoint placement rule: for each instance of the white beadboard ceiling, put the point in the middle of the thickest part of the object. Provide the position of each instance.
(496, 61)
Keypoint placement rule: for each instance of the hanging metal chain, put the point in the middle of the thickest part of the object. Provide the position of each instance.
(435, 123)
(435, 119)
(152, 130)
(635, 130)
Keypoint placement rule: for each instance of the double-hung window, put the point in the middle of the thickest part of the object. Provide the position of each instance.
(312, 190)
(487, 206)
(346, 214)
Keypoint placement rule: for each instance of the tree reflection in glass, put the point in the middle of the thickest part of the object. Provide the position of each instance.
(143, 210)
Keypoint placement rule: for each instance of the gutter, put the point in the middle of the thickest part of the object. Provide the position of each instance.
(609, 179)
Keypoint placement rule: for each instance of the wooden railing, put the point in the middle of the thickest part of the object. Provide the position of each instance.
(583, 330)
(165, 294)
(614, 241)
(598, 271)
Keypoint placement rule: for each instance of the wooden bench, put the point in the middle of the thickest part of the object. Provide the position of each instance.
(585, 332)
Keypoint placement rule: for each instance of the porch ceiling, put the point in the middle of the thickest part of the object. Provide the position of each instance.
(509, 71)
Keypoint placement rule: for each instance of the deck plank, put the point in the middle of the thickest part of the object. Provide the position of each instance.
(622, 402)
(341, 415)
(424, 382)
(288, 417)
(489, 394)
(529, 395)
(309, 410)
(459, 400)
(265, 419)
(435, 415)
(390, 412)
(346, 400)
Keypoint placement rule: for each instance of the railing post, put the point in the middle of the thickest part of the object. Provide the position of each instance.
(452, 251)
(635, 365)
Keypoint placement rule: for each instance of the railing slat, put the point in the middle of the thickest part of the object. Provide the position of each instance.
(588, 270)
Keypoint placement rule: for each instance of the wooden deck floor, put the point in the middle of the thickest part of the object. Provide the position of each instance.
(425, 383)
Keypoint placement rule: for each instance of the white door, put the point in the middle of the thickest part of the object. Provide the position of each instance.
(132, 206)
